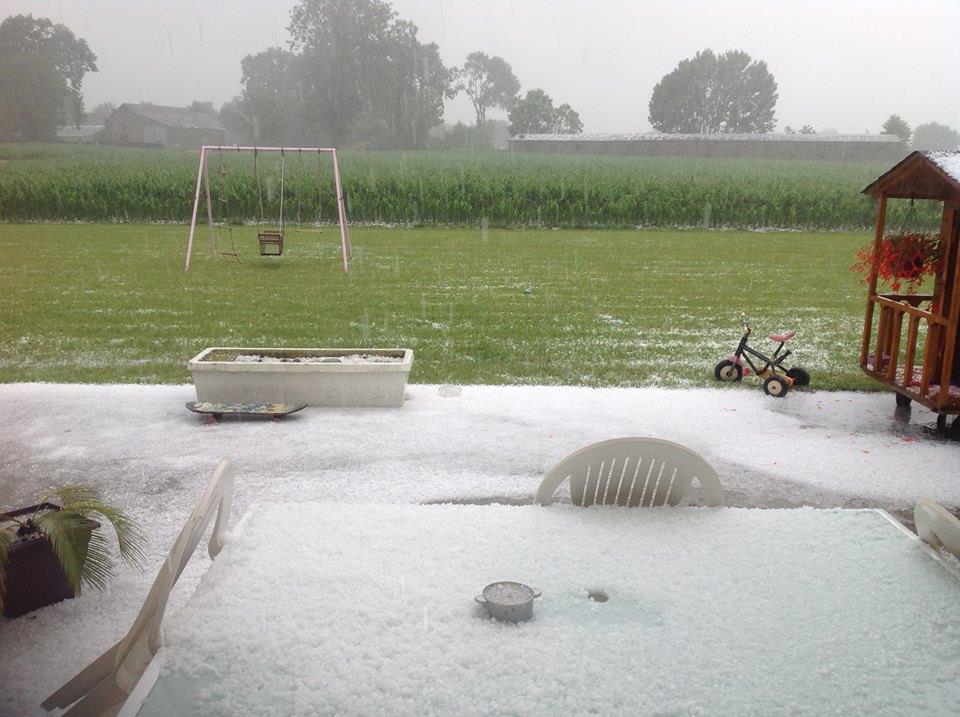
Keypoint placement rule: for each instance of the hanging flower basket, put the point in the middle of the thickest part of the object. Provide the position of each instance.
(902, 260)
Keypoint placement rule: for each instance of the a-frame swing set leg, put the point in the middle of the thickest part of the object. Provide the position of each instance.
(346, 250)
(206, 190)
(196, 204)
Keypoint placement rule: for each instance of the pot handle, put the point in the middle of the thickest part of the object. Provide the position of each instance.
(537, 592)
(480, 599)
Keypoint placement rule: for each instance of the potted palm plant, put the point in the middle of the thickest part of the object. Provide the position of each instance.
(51, 550)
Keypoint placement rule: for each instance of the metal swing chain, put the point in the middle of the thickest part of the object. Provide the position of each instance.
(299, 185)
(319, 193)
(222, 201)
(221, 178)
(283, 161)
(256, 173)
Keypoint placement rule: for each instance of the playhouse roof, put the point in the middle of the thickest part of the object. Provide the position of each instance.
(921, 175)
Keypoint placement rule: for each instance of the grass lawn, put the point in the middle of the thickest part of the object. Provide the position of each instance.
(111, 303)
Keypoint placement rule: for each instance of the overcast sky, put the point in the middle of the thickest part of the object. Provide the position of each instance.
(839, 64)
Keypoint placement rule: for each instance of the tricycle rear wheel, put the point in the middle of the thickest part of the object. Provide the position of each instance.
(728, 371)
(776, 386)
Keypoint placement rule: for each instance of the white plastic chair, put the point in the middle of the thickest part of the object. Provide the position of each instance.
(634, 472)
(937, 526)
(104, 685)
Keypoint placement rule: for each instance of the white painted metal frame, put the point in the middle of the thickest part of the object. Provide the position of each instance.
(203, 181)
(104, 685)
(660, 473)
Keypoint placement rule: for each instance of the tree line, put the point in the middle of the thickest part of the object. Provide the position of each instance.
(931, 135)
(357, 74)
(354, 73)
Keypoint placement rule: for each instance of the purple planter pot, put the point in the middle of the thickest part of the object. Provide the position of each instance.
(34, 578)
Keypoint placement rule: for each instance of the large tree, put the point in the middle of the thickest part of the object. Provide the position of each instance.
(429, 84)
(406, 96)
(535, 113)
(31, 98)
(895, 124)
(488, 82)
(339, 42)
(42, 66)
(935, 136)
(715, 93)
(236, 118)
(365, 76)
(567, 120)
(272, 96)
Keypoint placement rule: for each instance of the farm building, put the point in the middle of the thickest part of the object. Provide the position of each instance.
(84, 134)
(840, 147)
(159, 126)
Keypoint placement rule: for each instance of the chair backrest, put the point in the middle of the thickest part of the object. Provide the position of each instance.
(634, 472)
(103, 686)
(937, 526)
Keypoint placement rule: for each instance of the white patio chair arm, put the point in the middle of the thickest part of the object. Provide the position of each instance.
(937, 526)
(104, 685)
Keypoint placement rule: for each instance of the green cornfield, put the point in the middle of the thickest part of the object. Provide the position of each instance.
(90, 183)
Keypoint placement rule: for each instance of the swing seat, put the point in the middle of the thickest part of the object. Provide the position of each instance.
(271, 242)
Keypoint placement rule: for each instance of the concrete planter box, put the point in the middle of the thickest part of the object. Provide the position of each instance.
(316, 377)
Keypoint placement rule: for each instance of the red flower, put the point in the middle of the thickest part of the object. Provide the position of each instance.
(903, 257)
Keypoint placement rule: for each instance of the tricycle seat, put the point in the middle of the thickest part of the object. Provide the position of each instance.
(783, 337)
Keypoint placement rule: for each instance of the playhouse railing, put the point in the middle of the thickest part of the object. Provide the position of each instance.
(894, 358)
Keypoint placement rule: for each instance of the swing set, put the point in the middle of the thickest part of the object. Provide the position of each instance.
(269, 236)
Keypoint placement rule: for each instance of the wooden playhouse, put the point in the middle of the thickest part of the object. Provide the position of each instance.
(910, 341)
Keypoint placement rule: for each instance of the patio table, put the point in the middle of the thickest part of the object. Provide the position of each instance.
(335, 608)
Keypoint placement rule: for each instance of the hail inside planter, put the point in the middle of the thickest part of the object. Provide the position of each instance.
(316, 377)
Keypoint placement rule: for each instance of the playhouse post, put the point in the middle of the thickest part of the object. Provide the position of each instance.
(872, 282)
(950, 236)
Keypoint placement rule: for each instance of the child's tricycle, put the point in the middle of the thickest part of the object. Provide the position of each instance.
(776, 381)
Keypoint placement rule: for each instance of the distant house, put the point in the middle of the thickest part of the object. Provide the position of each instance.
(159, 126)
(84, 134)
(839, 147)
